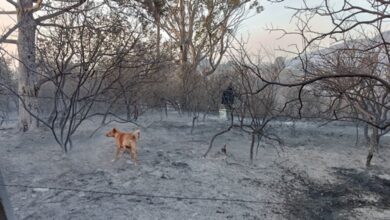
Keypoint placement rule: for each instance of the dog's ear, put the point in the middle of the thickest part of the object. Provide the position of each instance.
(114, 130)
(137, 133)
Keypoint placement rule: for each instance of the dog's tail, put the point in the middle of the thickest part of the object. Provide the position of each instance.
(137, 133)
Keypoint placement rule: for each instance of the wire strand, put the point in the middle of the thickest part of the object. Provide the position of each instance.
(135, 194)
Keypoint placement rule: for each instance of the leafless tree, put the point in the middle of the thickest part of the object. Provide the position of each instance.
(358, 98)
(353, 71)
(200, 31)
(255, 110)
(86, 64)
(26, 25)
(6, 101)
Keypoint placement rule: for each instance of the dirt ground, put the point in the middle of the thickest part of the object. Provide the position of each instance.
(317, 173)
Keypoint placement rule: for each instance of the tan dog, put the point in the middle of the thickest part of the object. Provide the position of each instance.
(125, 141)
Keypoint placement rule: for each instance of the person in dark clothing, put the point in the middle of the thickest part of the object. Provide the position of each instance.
(228, 100)
(6, 211)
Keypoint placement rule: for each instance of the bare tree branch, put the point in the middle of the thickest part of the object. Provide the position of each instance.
(8, 12)
(15, 4)
(9, 32)
(62, 11)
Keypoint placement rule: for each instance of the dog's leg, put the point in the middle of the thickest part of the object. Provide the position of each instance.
(128, 149)
(117, 151)
(133, 153)
(122, 152)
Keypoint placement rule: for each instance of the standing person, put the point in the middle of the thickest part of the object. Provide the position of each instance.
(6, 211)
(228, 100)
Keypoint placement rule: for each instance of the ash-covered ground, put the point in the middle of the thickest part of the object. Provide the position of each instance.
(317, 173)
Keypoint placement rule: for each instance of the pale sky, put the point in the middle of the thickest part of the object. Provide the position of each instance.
(278, 16)
(6, 22)
(275, 14)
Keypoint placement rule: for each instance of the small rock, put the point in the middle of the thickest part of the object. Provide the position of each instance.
(182, 165)
(385, 176)
(82, 194)
(220, 211)
(157, 173)
(165, 176)
(40, 189)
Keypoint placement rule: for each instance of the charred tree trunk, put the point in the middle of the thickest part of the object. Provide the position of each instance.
(252, 146)
(184, 69)
(366, 136)
(373, 145)
(28, 77)
(158, 33)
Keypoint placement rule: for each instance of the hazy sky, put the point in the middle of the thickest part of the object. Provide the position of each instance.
(6, 22)
(275, 14)
(278, 16)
